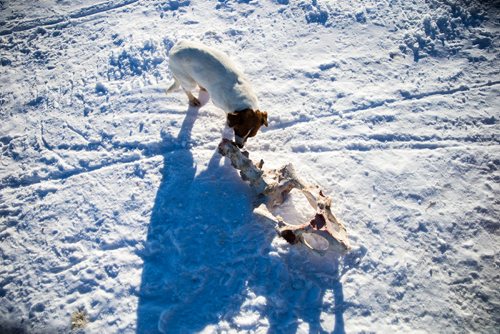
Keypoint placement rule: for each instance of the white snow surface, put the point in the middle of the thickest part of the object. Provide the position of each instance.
(114, 202)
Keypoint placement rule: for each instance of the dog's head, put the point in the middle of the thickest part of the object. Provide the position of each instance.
(246, 124)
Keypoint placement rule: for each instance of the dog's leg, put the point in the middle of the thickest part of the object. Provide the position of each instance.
(176, 84)
(203, 95)
(193, 101)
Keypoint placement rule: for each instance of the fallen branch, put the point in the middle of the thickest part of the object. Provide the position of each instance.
(274, 185)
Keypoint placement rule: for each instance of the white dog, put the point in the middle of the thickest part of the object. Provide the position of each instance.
(194, 64)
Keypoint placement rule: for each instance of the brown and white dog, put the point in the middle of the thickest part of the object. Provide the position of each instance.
(194, 64)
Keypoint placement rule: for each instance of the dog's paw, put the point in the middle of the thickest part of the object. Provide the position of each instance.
(194, 102)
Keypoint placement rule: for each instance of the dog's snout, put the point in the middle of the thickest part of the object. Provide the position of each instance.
(240, 142)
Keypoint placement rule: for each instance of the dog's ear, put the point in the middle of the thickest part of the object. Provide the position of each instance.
(233, 119)
(263, 118)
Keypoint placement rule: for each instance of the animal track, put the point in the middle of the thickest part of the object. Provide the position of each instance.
(134, 61)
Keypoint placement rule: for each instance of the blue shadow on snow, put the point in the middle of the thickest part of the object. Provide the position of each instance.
(205, 253)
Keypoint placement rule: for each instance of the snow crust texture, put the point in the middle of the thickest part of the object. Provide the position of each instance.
(116, 210)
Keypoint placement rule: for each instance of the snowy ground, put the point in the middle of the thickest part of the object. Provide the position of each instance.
(114, 203)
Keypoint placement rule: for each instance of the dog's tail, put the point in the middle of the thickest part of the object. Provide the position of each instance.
(175, 85)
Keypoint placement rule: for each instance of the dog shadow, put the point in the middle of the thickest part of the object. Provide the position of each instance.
(206, 255)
